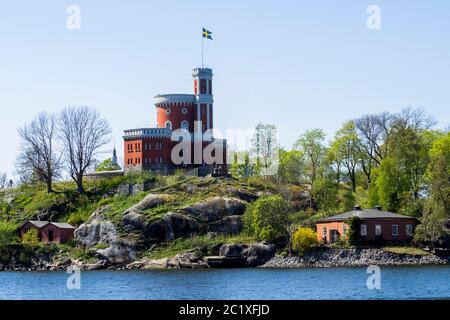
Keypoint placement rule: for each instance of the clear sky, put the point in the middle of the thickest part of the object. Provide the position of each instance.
(296, 64)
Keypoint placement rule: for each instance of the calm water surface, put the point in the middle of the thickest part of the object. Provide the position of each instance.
(426, 282)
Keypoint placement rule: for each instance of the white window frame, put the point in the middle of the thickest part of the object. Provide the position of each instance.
(409, 230)
(168, 123)
(378, 230)
(186, 123)
(168, 111)
(396, 228)
(184, 110)
(363, 230)
(325, 231)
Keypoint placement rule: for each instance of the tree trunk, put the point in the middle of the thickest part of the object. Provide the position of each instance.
(49, 186)
(80, 188)
(353, 182)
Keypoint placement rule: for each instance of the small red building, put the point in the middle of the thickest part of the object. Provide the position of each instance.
(49, 232)
(376, 226)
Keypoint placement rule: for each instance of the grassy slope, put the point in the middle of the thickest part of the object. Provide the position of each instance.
(407, 250)
(65, 205)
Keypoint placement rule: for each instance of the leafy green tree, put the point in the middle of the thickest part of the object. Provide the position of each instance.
(8, 233)
(346, 151)
(107, 165)
(432, 226)
(438, 172)
(267, 218)
(326, 191)
(290, 168)
(353, 232)
(242, 165)
(313, 151)
(389, 185)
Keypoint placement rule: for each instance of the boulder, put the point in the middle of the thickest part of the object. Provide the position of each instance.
(97, 230)
(100, 231)
(255, 254)
(242, 194)
(228, 225)
(171, 226)
(119, 251)
(216, 208)
(188, 260)
(149, 202)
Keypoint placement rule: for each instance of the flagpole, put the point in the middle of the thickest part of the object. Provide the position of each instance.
(202, 48)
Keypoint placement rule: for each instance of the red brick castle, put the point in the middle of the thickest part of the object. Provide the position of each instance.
(190, 115)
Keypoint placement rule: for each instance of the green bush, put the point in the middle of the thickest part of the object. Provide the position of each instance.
(353, 232)
(8, 233)
(31, 238)
(303, 239)
(267, 218)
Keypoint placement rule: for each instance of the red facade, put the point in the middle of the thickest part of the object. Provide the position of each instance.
(151, 148)
(49, 232)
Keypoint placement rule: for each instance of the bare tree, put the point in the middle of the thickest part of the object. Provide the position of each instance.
(374, 131)
(83, 132)
(37, 157)
(414, 118)
(265, 146)
(3, 180)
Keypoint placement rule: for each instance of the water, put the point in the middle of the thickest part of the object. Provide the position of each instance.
(425, 282)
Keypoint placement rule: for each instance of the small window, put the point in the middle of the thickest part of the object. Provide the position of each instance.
(325, 231)
(202, 86)
(395, 229)
(409, 230)
(168, 111)
(184, 110)
(363, 230)
(169, 125)
(184, 125)
(378, 229)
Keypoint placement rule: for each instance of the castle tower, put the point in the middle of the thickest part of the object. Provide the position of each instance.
(203, 97)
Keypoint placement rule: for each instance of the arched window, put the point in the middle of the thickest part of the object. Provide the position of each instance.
(185, 125)
(169, 125)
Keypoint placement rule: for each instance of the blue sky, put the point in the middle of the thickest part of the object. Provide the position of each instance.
(295, 64)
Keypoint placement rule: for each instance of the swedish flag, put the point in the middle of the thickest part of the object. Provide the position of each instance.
(207, 34)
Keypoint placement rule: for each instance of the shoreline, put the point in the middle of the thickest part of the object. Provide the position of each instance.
(318, 258)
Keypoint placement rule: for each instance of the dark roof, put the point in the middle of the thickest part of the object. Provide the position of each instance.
(37, 224)
(62, 225)
(366, 214)
(41, 224)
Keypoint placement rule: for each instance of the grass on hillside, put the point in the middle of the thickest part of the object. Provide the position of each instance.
(170, 249)
(407, 250)
(66, 205)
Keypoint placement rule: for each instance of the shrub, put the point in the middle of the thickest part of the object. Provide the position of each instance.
(303, 239)
(354, 224)
(8, 233)
(31, 238)
(267, 218)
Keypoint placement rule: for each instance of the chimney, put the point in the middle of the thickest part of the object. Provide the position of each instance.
(377, 207)
(357, 208)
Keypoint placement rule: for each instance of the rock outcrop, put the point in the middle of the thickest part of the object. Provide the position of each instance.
(255, 254)
(188, 260)
(351, 258)
(100, 235)
(229, 225)
(216, 208)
